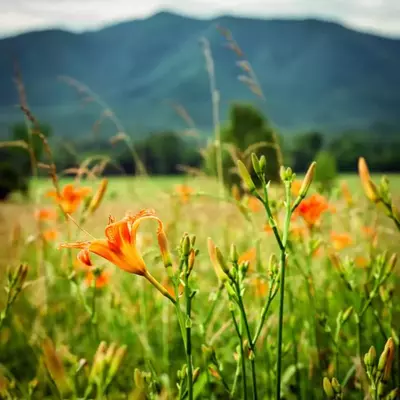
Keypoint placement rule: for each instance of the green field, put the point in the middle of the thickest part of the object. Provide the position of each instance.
(68, 335)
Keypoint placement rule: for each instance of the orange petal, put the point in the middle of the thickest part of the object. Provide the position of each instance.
(75, 245)
(84, 257)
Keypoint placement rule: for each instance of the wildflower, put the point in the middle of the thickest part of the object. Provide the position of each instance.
(248, 256)
(369, 187)
(70, 197)
(102, 278)
(184, 192)
(260, 287)
(361, 261)
(254, 204)
(50, 235)
(305, 185)
(120, 248)
(267, 228)
(340, 240)
(346, 193)
(45, 214)
(312, 208)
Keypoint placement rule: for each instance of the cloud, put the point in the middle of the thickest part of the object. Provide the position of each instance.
(381, 16)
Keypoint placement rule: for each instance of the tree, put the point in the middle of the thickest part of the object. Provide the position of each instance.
(326, 171)
(247, 131)
(305, 148)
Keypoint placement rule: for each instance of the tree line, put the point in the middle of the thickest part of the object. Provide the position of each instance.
(170, 153)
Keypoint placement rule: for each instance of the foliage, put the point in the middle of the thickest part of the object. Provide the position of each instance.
(326, 171)
(247, 131)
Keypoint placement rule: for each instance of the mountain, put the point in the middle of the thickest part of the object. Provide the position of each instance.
(315, 74)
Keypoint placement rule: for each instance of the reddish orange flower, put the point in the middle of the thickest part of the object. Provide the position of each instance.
(102, 279)
(368, 231)
(45, 214)
(248, 256)
(70, 197)
(50, 235)
(120, 247)
(267, 228)
(361, 262)
(312, 208)
(254, 204)
(260, 286)
(184, 192)
(341, 240)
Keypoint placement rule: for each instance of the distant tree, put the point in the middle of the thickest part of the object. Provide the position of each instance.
(304, 149)
(326, 171)
(247, 131)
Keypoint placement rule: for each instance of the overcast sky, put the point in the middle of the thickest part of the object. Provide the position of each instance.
(380, 16)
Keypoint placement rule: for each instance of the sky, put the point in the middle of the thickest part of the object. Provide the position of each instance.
(376, 16)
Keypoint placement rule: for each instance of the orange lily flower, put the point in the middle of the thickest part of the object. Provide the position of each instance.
(50, 235)
(102, 279)
(312, 208)
(45, 214)
(260, 287)
(341, 240)
(70, 197)
(248, 256)
(361, 261)
(120, 247)
(254, 204)
(184, 192)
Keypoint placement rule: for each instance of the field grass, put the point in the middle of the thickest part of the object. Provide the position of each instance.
(339, 297)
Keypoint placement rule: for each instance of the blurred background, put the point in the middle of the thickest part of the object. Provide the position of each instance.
(300, 80)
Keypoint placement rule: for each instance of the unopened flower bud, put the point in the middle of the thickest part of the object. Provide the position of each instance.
(98, 196)
(307, 180)
(369, 187)
(186, 246)
(233, 254)
(263, 163)
(221, 261)
(244, 173)
(328, 388)
(116, 362)
(336, 386)
(256, 163)
(192, 258)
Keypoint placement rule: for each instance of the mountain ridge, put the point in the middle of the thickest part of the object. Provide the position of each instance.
(316, 74)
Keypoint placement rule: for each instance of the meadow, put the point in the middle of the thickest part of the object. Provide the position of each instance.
(184, 299)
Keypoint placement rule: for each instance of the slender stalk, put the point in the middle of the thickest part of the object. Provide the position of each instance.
(188, 297)
(262, 318)
(241, 356)
(249, 338)
(159, 287)
(282, 292)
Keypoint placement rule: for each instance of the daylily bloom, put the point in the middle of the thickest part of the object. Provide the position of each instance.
(45, 214)
(120, 247)
(102, 279)
(50, 235)
(184, 192)
(312, 208)
(248, 256)
(254, 204)
(70, 197)
(341, 240)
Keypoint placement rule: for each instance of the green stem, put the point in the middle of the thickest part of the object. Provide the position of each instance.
(249, 338)
(212, 308)
(282, 292)
(243, 364)
(188, 296)
(159, 287)
(263, 316)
